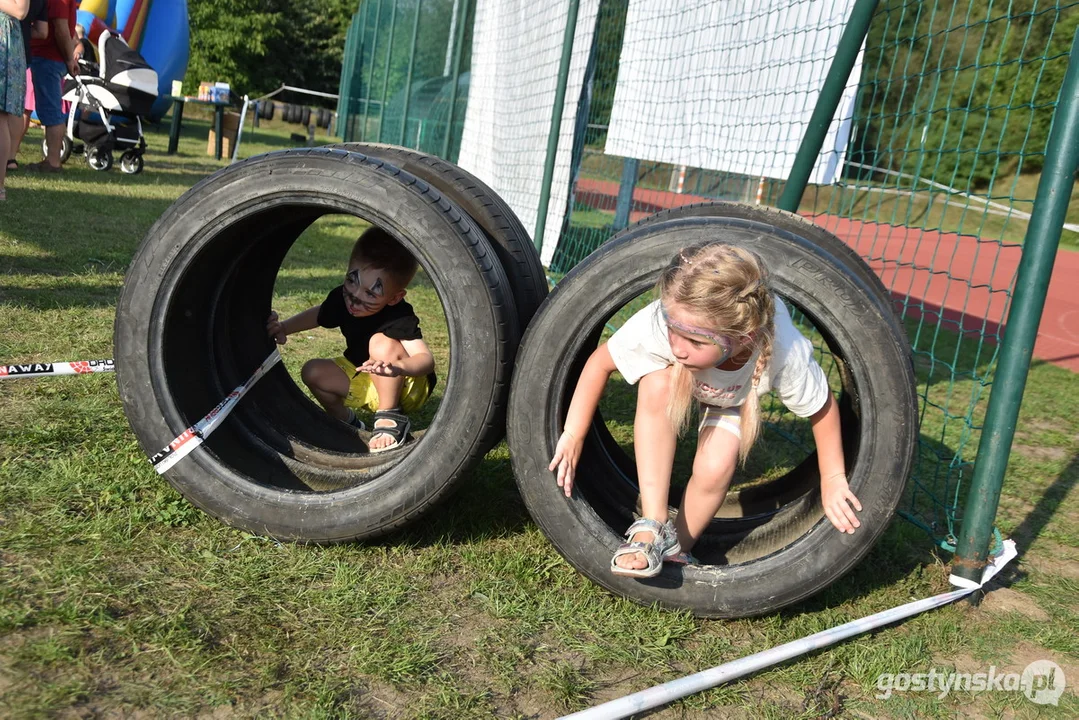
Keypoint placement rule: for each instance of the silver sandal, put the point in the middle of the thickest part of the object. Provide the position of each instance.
(664, 545)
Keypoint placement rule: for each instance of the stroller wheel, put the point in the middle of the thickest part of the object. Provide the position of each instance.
(65, 149)
(131, 162)
(99, 158)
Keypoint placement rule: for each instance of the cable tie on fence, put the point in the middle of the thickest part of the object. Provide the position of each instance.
(193, 436)
(19, 371)
(670, 691)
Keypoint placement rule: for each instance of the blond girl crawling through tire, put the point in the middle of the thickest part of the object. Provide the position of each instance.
(717, 336)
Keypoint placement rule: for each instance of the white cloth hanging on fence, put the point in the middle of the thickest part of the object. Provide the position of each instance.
(729, 86)
(516, 52)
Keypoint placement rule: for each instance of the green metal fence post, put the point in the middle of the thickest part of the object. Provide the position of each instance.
(408, 77)
(386, 77)
(628, 184)
(371, 72)
(556, 121)
(456, 75)
(1021, 329)
(850, 43)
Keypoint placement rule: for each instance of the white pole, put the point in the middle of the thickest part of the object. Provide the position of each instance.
(670, 691)
(240, 130)
(450, 40)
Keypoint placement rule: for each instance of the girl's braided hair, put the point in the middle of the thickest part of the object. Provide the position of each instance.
(726, 285)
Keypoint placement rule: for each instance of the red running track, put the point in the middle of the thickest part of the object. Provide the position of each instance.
(962, 280)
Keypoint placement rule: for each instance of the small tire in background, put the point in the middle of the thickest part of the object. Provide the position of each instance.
(131, 162)
(771, 545)
(65, 149)
(99, 158)
(305, 116)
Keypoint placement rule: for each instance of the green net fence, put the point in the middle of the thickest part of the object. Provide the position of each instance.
(934, 188)
(404, 78)
(929, 169)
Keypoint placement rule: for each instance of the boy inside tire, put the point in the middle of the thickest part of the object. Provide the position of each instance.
(387, 368)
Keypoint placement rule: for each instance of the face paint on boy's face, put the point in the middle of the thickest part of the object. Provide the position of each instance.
(364, 291)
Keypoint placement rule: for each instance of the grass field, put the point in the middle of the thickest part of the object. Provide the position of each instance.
(120, 599)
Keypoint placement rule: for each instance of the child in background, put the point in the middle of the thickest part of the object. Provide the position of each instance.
(386, 368)
(717, 336)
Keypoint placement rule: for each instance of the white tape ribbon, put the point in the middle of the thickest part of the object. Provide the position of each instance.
(670, 691)
(78, 367)
(193, 436)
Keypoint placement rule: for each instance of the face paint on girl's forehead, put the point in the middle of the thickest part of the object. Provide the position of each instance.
(723, 343)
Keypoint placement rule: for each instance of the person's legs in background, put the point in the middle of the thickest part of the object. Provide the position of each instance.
(48, 75)
(20, 124)
(5, 149)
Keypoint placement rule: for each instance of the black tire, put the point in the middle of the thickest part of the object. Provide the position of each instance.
(190, 327)
(323, 118)
(65, 149)
(510, 240)
(771, 545)
(798, 225)
(99, 158)
(131, 162)
(289, 115)
(271, 109)
(305, 116)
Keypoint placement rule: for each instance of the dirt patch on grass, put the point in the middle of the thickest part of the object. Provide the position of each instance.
(1041, 453)
(1054, 560)
(1004, 600)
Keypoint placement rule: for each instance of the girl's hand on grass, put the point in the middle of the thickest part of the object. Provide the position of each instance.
(566, 454)
(837, 500)
(276, 329)
(378, 367)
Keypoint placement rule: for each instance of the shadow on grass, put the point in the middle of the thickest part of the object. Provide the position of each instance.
(1031, 527)
(487, 505)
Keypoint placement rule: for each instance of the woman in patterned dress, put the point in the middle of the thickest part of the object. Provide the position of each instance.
(12, 74)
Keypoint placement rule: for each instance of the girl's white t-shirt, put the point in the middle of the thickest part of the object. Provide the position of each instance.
(641, 346)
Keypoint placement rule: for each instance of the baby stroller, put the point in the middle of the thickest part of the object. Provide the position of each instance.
(108, 102)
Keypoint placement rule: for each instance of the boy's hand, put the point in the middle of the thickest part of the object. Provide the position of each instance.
(566, 454)
(276, 329)
(379, 367)
(837, 500)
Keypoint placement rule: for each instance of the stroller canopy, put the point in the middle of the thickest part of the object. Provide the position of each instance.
(124, 67)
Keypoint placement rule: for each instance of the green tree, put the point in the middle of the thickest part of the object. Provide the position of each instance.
(256, 45)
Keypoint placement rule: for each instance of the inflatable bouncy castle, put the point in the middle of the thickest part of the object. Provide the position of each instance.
(156, 29)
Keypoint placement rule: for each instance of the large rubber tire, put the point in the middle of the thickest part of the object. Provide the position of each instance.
(190, 326)
(771, 544)
(511, 241)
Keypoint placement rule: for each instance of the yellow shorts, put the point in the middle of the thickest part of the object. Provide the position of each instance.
(363, 396)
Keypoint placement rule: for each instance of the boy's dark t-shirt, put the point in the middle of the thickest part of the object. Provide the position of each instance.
(395, 321)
